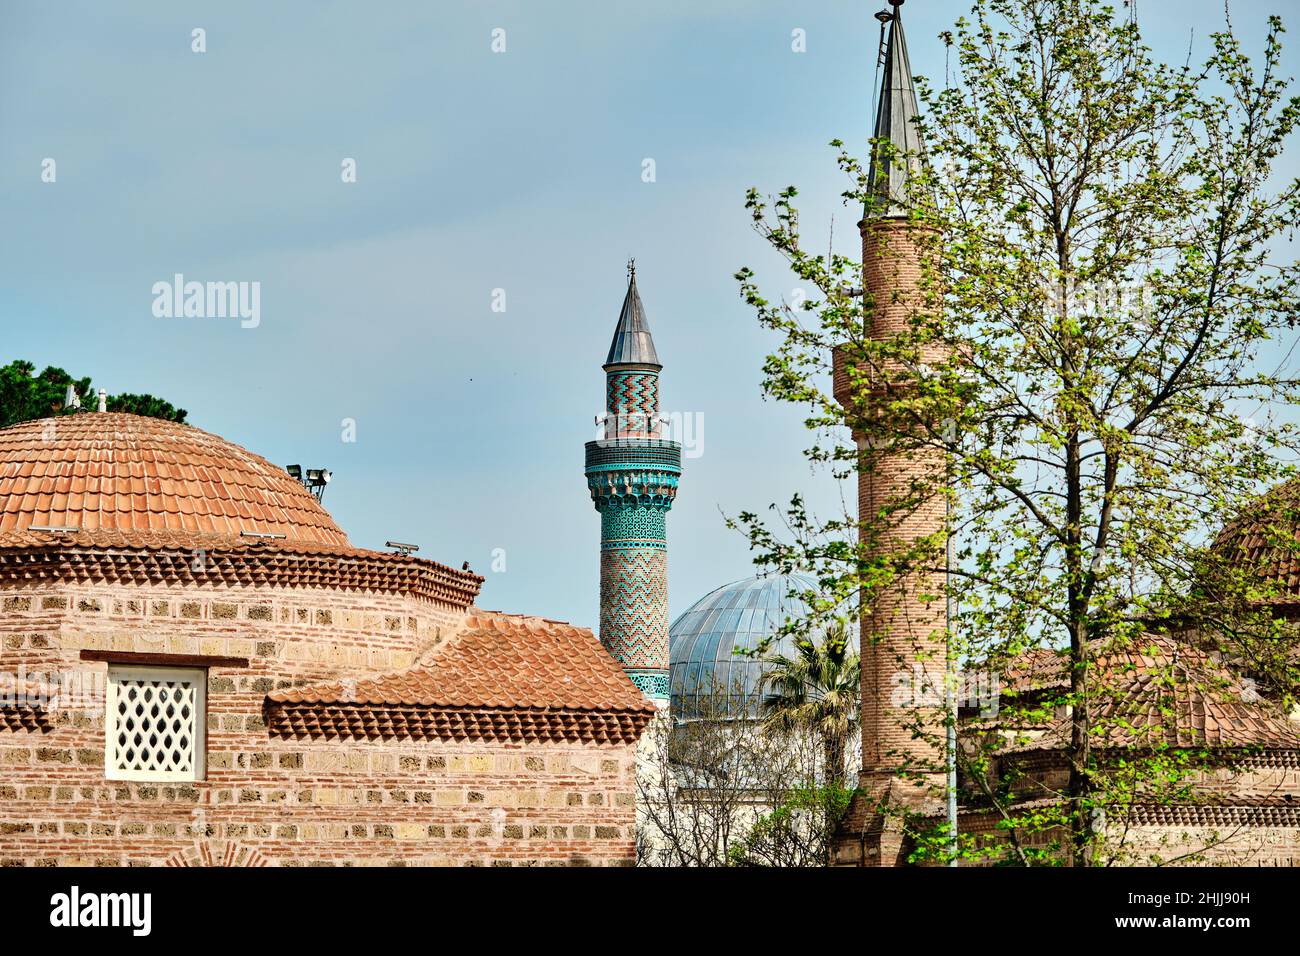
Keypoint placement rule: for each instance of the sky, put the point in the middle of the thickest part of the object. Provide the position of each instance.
(482, 176)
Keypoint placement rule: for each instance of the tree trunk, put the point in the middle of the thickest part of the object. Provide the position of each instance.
(1080, 823)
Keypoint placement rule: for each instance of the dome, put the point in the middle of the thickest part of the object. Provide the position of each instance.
(703, 640)
(1266, 540)
(107, 471)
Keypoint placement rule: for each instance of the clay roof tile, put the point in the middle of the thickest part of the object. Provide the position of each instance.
(145, 470)
(499, 662)
(1164, 692)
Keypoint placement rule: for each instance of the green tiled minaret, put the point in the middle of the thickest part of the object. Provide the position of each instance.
(632, 473)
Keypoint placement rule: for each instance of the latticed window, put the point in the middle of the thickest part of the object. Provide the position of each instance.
(154, 723)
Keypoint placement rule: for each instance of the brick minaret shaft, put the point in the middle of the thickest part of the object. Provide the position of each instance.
(632, 473)
(903, 632)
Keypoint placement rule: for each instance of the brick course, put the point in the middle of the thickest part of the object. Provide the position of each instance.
(268, 800)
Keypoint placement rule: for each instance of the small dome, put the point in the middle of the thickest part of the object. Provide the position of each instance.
(1266, 540)
(108, 471)
(703, 640)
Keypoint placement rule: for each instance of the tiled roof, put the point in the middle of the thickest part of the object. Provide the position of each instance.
(1163, 692)
(1266, 540)
(1272, 812)
(1040, 668)
(501, 676)
(167, 557)
(498, 660)
(417, 722)
(127, 473)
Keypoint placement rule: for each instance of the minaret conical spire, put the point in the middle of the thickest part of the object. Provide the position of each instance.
(632, 344)
(895, 124)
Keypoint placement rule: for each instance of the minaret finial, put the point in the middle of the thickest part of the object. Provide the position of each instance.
(885, 16)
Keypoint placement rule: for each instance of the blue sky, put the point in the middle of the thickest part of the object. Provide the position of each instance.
(476, 171)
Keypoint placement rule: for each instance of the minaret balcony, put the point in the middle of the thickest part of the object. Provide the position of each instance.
(633, 454)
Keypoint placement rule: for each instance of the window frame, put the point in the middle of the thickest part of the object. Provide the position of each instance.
(117, 673)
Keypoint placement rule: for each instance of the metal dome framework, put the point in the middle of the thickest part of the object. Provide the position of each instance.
(708, 678)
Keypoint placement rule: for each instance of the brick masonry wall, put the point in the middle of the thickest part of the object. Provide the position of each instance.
(1250, 805)
(902, 637)
(279, 801)
(1252, 778)
(1222, 844)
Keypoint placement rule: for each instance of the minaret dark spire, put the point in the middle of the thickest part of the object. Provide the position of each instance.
(632, 343)
(895, 123)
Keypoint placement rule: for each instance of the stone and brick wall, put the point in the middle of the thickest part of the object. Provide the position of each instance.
(270, 800)
(1246, 813)
(1227, 837)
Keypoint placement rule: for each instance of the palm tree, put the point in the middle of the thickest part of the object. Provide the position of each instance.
(819, 690)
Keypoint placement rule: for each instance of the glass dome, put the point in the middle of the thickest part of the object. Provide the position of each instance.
(706, 674)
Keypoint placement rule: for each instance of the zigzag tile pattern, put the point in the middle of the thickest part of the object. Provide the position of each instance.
(634, 606)
(632, 476)
(632, 392)
(632, 402)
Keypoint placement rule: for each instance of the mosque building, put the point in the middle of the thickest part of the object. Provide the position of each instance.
(198, 667)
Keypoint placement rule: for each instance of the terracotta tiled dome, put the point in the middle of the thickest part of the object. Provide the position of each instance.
(104, 471)
(1266, 539)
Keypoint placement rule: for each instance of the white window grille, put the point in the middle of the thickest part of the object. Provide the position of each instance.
(154, 723)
